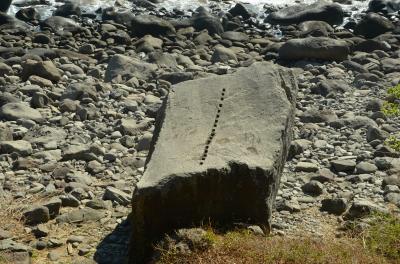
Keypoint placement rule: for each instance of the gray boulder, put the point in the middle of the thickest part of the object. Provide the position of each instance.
(218, 151)
(57, 23)
(15, 111)
(222, 54)
(44, 69)
(320, 11)
(343, 165)
(117, 196)
(330, 87)
(315, 28)
(123, 65)
(375, 133)
(318, 116)
(81, 216)
(321, 48)
(361, 208)
(22, 147)
(5, 133)
(235, 36)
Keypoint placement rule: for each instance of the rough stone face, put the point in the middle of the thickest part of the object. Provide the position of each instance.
(321, 48)
(218, 151)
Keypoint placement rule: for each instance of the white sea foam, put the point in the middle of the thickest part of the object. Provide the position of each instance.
(90, 6)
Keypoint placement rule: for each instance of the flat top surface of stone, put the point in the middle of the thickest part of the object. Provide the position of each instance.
(251, 107)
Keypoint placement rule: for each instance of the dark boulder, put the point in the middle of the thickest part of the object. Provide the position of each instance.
(244, 10)
(151, 25)
(68, 9)
(204, 20)
(144, 3)
(124, 18)
(384, 6)
(9, 22)
(314, 48)
(321, 11)
(57, 23)
(373, 25)
(4, 5)
(370, 45)
(29, 14)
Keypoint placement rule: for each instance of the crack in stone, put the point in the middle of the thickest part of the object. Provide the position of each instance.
(214, 128)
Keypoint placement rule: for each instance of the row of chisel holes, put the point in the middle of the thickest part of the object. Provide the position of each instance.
(214, 128)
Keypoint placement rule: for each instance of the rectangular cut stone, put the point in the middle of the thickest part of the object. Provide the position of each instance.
(218, 151)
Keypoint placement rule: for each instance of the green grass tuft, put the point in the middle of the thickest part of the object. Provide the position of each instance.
(391, 109)
(395, 91)
(393, 142)
(383, 236)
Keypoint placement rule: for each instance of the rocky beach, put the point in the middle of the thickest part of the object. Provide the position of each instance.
(84, 86)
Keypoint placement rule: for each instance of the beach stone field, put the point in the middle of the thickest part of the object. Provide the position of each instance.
(128, 122)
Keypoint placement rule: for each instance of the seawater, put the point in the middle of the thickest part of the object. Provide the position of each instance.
(89, 6)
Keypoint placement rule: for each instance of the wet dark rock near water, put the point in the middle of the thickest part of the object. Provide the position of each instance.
(202, 19)
(373, 25)
(244, 10)
(144, 24)
(68, 9)
(321, 11)
(28, 14)
(4, 5)
(385, 6)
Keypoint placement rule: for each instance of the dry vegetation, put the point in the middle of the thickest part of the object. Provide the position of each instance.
(380, 243)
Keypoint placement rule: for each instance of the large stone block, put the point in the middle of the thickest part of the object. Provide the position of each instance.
(218, 151)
